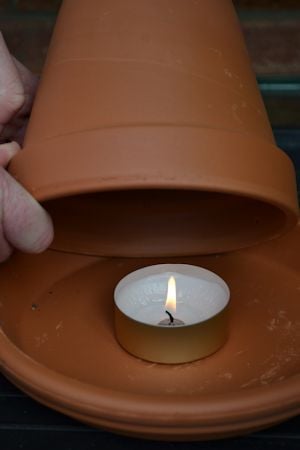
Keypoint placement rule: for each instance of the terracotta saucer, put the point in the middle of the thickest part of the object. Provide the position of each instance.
(58, 345)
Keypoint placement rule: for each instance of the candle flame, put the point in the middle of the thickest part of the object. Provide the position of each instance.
(170, 304)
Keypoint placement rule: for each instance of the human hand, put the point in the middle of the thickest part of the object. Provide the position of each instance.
(24, 224)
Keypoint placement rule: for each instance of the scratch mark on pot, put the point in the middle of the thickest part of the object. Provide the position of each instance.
(227, 376)
(150, 366)
(249, 383)
(59, 325)
(234, 109)
(288, 325)
(267, 376)
(228, 73)
(40, 340)
(272, 325)
(240, 352)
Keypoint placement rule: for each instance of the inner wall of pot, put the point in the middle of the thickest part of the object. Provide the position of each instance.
(158, 222)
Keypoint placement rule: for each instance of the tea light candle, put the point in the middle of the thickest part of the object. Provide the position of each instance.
(171, 313)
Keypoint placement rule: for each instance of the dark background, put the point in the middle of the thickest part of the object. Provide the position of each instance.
(272, 33)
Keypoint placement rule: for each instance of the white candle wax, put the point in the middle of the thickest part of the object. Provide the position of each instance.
(201, 294)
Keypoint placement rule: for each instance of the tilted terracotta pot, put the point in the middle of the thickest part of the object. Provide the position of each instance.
(149, 136)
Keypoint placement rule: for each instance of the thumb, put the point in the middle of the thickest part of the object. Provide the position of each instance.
(7, 152)
(26, 225)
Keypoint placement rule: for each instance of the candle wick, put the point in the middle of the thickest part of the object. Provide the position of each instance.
(170, 316)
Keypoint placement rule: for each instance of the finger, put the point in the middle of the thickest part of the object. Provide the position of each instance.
(27, 226)
(7, 152)
(29, 79)
(30, 83)
(11, 88)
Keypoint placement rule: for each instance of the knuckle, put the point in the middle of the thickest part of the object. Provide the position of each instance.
(12, 95)
(12, 100)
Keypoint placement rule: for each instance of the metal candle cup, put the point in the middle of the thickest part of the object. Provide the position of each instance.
(144, 326)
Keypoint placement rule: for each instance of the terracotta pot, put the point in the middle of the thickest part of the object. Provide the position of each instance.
(149, 136)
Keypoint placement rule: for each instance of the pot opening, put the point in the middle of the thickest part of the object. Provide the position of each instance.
(161, 222)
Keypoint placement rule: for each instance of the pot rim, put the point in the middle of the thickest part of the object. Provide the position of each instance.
(193, 158)
(265, 404)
